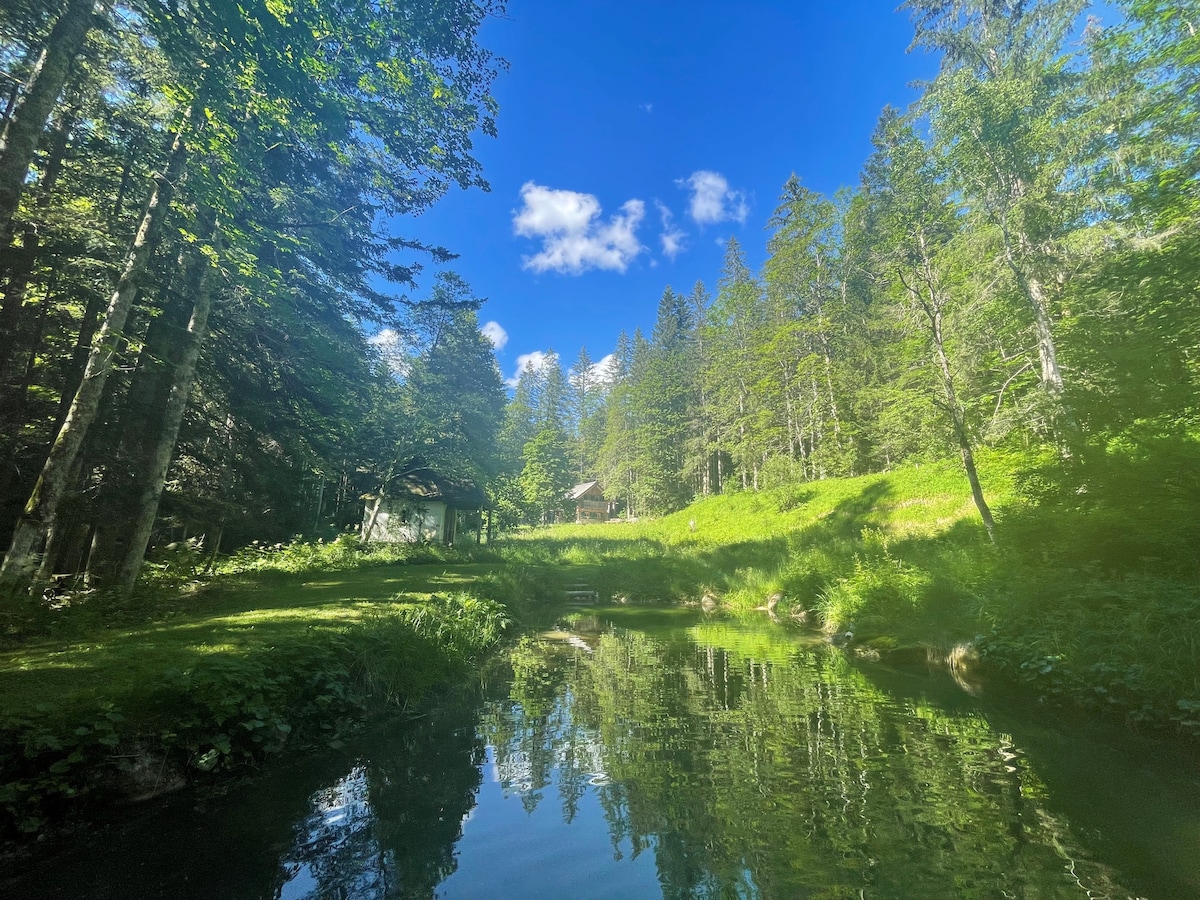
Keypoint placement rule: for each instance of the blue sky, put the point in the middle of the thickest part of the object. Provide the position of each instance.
(624, 122)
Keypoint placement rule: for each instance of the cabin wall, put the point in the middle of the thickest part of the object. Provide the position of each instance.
(426, 522)
(591, 511)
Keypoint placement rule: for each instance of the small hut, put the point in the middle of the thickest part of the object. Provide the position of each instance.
(590, 505)
(423, 506)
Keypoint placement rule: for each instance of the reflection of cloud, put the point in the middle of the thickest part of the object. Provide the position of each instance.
(672, 238)
(712, 199)
(573, 237)
(495, 333)
(536, 361)
(336, 840)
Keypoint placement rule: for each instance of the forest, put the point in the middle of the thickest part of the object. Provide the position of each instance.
(951, 420)
(199, 204)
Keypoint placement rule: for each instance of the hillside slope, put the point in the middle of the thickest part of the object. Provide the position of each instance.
(1091, 591)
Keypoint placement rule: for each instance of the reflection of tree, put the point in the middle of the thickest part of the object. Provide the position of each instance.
(388, 827)
(783, 775)
(338, 849)
(537, 739)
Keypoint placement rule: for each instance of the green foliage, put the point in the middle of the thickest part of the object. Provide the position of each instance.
(297, 151)
(399, 654)
(1094, 579)
(347, 551)
(546, 475)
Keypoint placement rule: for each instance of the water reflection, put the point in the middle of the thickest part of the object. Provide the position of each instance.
(388, 827)
(781, 772)
(694, 759)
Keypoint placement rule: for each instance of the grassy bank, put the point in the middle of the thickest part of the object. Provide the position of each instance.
(115, 703)
(1092, 592)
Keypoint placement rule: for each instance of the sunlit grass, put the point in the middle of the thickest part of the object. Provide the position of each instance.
(226, 675)
(236, 620)
(1093, 590)
(1096, 598)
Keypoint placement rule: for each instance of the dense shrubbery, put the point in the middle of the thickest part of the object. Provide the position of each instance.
(344, 552)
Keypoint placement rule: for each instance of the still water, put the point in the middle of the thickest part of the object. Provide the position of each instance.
(642, 753)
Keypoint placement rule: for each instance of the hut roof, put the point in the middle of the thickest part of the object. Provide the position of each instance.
(580, 489)
(425, 484)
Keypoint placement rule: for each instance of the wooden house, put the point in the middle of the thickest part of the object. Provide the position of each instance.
(422, 506)
(590, 505)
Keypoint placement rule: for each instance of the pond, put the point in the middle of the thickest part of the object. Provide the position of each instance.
(660, 753)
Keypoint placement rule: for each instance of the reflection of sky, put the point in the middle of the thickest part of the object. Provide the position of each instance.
(512, 845)
(765, 779)
(569, 745)
(335, 845)
(506, 852)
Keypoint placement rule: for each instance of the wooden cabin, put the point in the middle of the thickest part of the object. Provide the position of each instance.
(422, 506)
(590, 505)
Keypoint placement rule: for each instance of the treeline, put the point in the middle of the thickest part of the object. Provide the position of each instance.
(196, 213)
(1017, 266)
(196, 226)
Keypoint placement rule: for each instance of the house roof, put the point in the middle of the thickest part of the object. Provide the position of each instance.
(580, 489)
(426, 484)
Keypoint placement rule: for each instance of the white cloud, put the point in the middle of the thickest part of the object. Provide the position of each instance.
(712, 199)
(536, 360)
(604, 371)
(598, 373)
(385, 338)
(495, 333)
(646, 107)
(573, 237)
(672, 238)
(393, 350)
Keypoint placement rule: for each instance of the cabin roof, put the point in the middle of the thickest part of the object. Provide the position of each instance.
(580, 489)
(425, 484)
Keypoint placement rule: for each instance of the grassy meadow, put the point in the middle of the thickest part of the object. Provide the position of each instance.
(1091, 594)
(115, 703)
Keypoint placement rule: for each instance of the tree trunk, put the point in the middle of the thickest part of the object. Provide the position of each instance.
(75, 367)
(369, 528)
(20, 562)
(25, 127)
(17, 337)
(932, 309)
(140, 422)
(1018, 250)
(20, 266)
(1052, 379)
(160, 459)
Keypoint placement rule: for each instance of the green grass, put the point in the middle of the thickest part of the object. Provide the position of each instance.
(78, 662)
(213, 679)
(842, 549)
(1091, 594)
